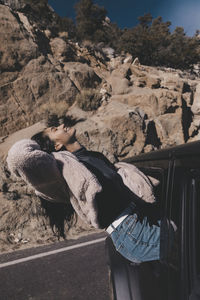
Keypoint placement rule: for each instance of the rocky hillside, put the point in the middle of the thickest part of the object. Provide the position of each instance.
(124, 108)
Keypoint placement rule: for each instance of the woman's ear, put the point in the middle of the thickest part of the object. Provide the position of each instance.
(58, 146)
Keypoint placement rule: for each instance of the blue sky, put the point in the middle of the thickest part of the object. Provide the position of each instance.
(185, 13)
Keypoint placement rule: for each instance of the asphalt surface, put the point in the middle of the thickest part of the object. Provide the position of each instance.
(64, 271)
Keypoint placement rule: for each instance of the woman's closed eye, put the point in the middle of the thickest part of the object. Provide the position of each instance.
(53, 128)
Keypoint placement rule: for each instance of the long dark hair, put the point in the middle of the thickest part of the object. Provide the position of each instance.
(61, 215)
(45, 143)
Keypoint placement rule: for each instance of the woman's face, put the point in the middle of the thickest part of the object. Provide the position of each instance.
(60, 135)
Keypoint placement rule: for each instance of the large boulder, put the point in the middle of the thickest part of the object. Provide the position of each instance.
(61, 50)
(196, 103)
(119, 80)
(116, 130)
(119, 85)
(154, 103)
(82, 75)
(195, 108)
(169, 129)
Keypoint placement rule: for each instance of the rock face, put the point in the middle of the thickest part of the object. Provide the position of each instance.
(34, 71)
(19, 47)
(160, 112)
(14, 4)
(142, 108)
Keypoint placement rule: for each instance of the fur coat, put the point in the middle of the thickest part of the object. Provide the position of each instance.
(60, 177)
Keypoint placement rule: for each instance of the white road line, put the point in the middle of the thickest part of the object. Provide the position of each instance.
(32, 257)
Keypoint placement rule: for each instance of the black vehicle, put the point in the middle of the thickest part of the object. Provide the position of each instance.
(176, 276)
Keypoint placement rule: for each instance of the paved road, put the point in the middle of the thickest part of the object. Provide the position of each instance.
(68, 270)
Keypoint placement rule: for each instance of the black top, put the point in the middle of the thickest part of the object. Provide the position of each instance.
(115, 196)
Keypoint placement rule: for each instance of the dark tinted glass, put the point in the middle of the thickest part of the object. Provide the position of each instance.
(197, 224)
(195, 240)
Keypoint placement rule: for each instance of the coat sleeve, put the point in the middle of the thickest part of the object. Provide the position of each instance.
(136, 181)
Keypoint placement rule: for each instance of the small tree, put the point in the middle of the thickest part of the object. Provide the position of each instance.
(145, 21)
(183, 51)
(89, 20)
(67, 24)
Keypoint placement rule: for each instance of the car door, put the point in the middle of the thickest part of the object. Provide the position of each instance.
(184, 210)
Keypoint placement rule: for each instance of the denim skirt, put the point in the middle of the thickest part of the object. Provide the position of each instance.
(137, 240)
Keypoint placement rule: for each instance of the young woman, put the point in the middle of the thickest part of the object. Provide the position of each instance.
(133, 224)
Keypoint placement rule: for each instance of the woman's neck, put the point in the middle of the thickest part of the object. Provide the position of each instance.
(73, 147)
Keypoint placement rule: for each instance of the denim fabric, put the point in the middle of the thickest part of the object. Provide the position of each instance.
(137, 240)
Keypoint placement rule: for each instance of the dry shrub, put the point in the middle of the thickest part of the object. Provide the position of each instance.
(87, 44)
(89, 99)
(56, 108)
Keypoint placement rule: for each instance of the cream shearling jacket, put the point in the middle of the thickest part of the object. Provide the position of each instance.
(60, 177)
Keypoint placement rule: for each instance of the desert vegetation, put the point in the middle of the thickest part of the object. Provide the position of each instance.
(151, 40)
(89, 99)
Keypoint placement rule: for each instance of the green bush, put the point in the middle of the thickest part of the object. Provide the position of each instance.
(89, 100)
